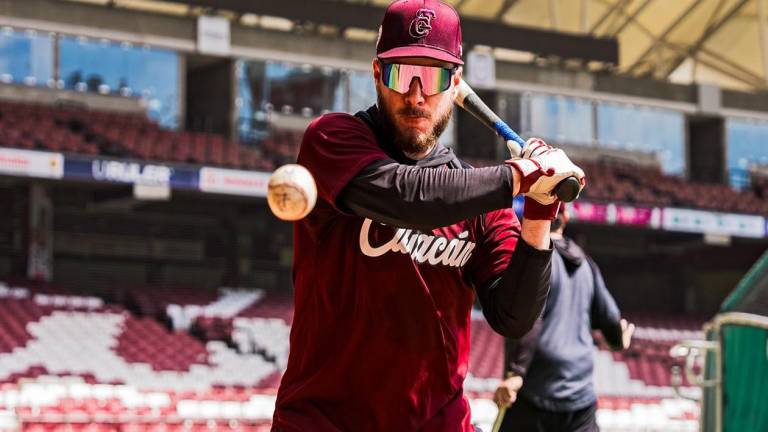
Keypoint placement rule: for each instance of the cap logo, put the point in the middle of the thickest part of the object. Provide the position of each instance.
(422, 24)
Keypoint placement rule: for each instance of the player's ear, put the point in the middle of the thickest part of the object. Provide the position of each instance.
(455, 80)
(457, 75)
(376, 69)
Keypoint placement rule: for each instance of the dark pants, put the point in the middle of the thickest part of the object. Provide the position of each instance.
(523, 416)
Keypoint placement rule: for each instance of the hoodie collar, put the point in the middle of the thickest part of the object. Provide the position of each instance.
(440, 155)
(571, 253)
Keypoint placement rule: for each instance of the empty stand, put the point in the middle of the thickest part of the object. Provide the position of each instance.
(628, 183)
(644, 186)
(71, 404)
(652, 414)
(486, 357)
(111, 345)
(74, 362)
(81, 131)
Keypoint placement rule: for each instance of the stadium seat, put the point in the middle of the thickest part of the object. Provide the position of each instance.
(72, 130)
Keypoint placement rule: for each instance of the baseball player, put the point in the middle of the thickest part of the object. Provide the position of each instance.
(402, 239)
(553, 362)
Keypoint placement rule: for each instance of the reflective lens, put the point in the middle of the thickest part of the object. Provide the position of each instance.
(433, 79)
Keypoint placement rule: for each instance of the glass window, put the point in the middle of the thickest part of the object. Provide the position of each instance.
(644, 129)
(122, 68)
(560, 119)
(26, 57)
(747, 146)
(249, 125)
(286, 88)
(293, 88)
(362, 92)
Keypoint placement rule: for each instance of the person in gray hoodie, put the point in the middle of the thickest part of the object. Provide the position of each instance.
(548, 372)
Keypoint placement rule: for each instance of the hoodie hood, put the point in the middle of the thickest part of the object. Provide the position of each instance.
(573, 255)
(439, 156)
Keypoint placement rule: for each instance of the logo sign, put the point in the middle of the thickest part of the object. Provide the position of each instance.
(699, 221)
(233, 182)
(124, 171)
(31, 163)
(638, 216)
(130, 172)
(434, 249)
(588, 212)
(481, 69)
(213, 35)
(422, 24)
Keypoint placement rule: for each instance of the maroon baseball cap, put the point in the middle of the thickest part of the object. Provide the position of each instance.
(420, 28)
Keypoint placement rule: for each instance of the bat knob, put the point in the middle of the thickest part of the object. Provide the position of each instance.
(568, 189)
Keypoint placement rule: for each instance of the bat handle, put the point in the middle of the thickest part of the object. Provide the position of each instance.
(508, 134)
(499, 419)
(567, 190)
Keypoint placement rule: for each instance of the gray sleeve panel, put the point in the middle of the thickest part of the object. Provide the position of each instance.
(414, 197)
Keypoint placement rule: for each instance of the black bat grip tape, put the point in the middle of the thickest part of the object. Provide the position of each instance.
(568, 189)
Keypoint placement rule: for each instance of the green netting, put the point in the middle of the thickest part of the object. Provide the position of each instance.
(745, 378)
(751, 294)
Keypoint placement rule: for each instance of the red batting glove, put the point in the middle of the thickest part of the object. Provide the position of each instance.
(530, 171)
(534, 210)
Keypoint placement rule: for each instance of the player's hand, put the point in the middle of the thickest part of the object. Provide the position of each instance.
(506, 392)
(627, 330)
(533, 147)
(542, 167)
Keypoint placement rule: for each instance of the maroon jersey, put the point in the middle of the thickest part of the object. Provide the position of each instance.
(380, 338)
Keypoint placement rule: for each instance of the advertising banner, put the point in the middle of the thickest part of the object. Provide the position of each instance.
(234, 182)
(130, 172)
(698, 221)
(30, 163)
(588, 212)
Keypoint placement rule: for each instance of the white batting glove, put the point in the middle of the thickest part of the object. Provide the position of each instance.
(543, 167)
(561, 167)
(533, 147)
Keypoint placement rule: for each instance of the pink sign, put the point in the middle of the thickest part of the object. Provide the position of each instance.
(613, 214)
(588, 212)
(627, 215)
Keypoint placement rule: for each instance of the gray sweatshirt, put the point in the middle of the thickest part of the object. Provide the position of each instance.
(555, 357)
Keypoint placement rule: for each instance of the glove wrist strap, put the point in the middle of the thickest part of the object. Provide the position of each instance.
(534, 210)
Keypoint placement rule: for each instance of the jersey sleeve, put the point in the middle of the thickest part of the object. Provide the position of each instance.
(335, 148)
(501, 232)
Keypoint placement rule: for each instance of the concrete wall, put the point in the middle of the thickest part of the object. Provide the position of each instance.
(179, 33)
(47, 96)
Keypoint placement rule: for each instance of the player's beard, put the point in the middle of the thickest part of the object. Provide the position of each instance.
(412, 141)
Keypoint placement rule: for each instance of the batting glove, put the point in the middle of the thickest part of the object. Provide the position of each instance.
(541, 168)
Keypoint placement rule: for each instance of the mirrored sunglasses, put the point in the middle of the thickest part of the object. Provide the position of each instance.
(398, 77)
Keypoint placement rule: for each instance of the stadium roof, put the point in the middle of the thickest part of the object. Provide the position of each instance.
(683, 41)
(711, 40)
